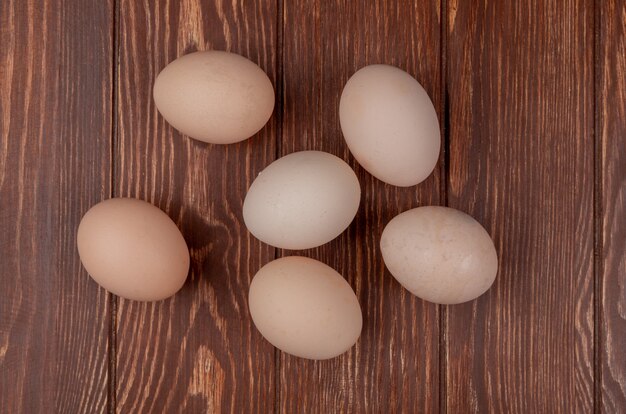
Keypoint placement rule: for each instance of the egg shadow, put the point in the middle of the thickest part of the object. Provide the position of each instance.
(200, 237)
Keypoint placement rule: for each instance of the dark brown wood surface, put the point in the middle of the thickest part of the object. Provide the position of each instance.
(520, 84)
(55, 162)
(611, 213)
(199, 351)
(531, 98)
(395, 363)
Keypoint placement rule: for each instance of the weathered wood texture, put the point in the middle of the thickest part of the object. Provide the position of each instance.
(611, 111)
(395, 364)
(198, 351)
(520, 85)
(531, 96)
(55, 134)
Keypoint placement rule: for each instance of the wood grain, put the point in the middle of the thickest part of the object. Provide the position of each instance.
(611, 107)
(394, 366)
(531, 96)
(55, 132)
(520, 85)
(198, 351)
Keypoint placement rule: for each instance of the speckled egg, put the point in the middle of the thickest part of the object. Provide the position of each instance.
(439, 254)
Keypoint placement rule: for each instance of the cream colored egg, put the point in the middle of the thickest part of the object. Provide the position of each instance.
(133, 249)
(214, 96)
(305, 308)
(439, 254)
(390, 125)
(302, 200)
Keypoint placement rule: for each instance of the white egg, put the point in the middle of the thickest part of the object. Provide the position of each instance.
(390, 125)
(302, 200)
(439, 254)
(305, 308)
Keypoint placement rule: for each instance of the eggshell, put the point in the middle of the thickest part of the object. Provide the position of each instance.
(439, 254)
(305, 308)
(302, 200)
(133, 249)
(390, 125)
(214, 96)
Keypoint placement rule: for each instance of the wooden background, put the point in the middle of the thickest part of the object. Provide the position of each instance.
(531, 97)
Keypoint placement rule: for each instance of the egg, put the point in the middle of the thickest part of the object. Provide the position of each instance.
(214, 96)
(302, 200)
(133, 249)
(390, 125)
(439, 254)
(305, 308)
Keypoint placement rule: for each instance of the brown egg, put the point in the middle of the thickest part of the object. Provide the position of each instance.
(214, 96)
(439, 254)
(133, 249)
(305, 308)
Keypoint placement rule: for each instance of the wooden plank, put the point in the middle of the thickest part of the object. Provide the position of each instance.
(394, 366)
(55, 133)
(520, 85)
(611, 106)
(197, 352)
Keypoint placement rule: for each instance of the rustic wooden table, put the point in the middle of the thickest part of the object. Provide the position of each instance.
(531, 96)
